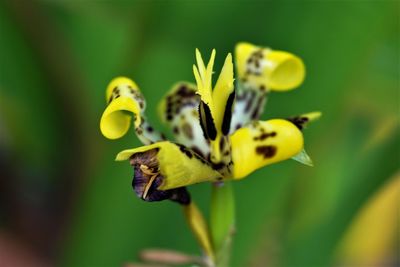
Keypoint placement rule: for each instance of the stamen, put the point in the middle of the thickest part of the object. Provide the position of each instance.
(147, 171)
(147, 188)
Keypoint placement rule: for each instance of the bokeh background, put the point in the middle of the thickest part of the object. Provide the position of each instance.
(64, 201)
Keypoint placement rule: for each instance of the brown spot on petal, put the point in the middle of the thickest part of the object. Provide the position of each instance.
(187, 130)
(175, 130)
(264, 136)
(266, 151)
(185, 150)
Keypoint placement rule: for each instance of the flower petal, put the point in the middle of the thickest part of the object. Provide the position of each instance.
(263, 68)
(263, 143)
(125, 99)
(115, 121)
(179, 111)
(178, 165)
(249, 105)
(302, 120)
(303, 158)
(216, 106)
(223, 97)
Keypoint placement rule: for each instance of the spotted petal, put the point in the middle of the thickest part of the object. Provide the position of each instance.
(264, 68)
(261, 70)
(179, 111)
(125, 100)
(262, 143)
(301, 122)
(177, 165)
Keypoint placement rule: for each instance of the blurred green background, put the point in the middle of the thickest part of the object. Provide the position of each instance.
(64, 201)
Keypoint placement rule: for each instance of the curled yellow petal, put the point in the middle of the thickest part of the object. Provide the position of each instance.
(116, 119)
(125, 100)
(285, 71)
(263, 143)
(269, 69)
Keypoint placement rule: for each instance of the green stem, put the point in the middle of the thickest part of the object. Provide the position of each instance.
(222, 221)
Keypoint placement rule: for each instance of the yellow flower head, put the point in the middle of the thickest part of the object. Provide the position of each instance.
(218, 134)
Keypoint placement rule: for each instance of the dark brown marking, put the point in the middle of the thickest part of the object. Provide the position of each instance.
(218, 166)
(197, 150)
(207, 122)
(299, 121)
(249, 102)
(258, 107)
(222, 144)
(266, 151)
(187, 130)
(264, 136)
(226, 122)
(186, 151)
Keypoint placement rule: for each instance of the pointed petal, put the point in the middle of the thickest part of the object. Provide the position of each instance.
(302, 121)
(263, 143)
(303, 158)
(203, 78)
(206, 105)
(209, 71)
(197, 77)
(223, 96)
(200, 63)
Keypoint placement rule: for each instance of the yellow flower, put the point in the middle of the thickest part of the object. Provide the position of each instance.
(218, 136)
